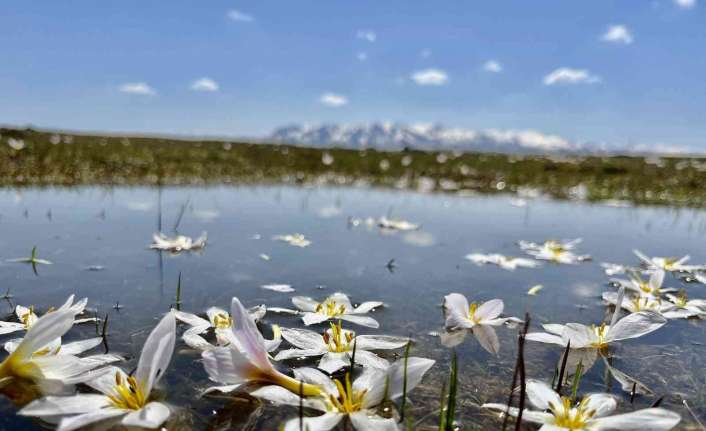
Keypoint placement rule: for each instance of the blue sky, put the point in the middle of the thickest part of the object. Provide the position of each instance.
(623, 72)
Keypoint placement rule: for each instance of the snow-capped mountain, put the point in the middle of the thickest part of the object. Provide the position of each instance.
(390, 136)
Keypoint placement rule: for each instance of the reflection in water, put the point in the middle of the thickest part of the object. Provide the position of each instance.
(410, 272)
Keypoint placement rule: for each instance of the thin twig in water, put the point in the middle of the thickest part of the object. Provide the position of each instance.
(560, 382)
(523, 377)
(403, 406)
(691, 412)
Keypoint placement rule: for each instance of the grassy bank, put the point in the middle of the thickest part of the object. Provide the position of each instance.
(41, 158)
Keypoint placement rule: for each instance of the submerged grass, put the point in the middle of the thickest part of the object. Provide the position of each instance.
(57, 158)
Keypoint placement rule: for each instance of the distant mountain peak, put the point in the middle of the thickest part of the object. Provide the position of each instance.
(421, 136)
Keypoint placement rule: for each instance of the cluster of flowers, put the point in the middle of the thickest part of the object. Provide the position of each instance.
(239, 356)
(552, 251)
(649, 306)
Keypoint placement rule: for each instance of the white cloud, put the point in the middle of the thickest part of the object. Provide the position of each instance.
(205, 84)
(362, 56)
(138, 88)
(237, 15)
(567, 75)
(618, 34)
(333, 100)
(430, 77)
(685, 4)
(492, 66)
(368, 35)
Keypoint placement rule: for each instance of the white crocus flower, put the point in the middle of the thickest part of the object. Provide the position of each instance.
(554, 251)
(335, 347)
(651, 288)
(359, 401)
(505, 262)
(123, 398)
(667, 263)
(221, 322)
(396, 224)
(680, 307)
(478, 318)
(634, 304)
(74, 348)
(33, 367)
(588, 341)
(296, 240)
(245, 359)
(557, 413)
(335, 307)
(27, 317)
(178, 243)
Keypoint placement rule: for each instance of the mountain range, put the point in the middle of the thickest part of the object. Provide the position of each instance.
(393, 136)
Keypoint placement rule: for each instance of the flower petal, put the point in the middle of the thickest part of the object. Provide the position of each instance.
(157, 352)
(541, 396)
(150, 416)
(370, 359)
(10, 327)
(332, 362)
(490, 309)
(362, 422)
(380, 342)
(635, 325)
(366, 321)
(249, 337)
(527, 415)
(323, 423)
(227, 365)
(75, 422)
(191, 319)
(653, 419)
(341, 299)
(487, 338)
(304, 303)
(55, 406)
(457, 309)
(416, 368)
(367, 307)
(313, 318)
(580, 335)
(77, 347)
(47, 328)
(283, 355)
(303, 339)
(602, 404)
(543, 337)
(315, 377)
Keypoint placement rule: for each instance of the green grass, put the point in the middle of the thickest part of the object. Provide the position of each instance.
(116, 161)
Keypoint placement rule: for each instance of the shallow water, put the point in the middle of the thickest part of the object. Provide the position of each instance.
(111, 228)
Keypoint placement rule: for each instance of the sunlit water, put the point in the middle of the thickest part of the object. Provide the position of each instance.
(112, 228)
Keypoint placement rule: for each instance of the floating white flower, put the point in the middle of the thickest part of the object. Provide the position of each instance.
(588, 341)
(557, 413)
(613, 268)
(245, 359)
(359, 401)
(221, 322)
(651, 288)
(335, 347)
(478, 318)
(27, 317)
(634, 304)
(554, 251)
(396, 224)
(33, 366)
(178, 243)
(680, 307)
(123, 398)
(505, 262)
(296, 239)
(335, 307)
(667, 263)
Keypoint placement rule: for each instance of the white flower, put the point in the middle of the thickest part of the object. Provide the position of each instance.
(245, 359)
(27, 317)
(651, 288)
(335, 307)
(556, 413)
(505, 262)
(600, 336)
(680, 307)
(33, 366)
(179, 243)
(122, 397)
(555, 251)
(479, 319)
(396, 224)
(221, 322)
(358, 401)
(297, 239)
(634, 304)
(667, 263)
(335, 347)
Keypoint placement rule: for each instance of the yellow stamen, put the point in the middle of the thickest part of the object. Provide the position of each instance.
(570, 417)
(348, 400)
(338, 340)
(222, 321)
(128, 394)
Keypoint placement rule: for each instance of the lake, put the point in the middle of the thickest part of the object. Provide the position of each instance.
(98, 240)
